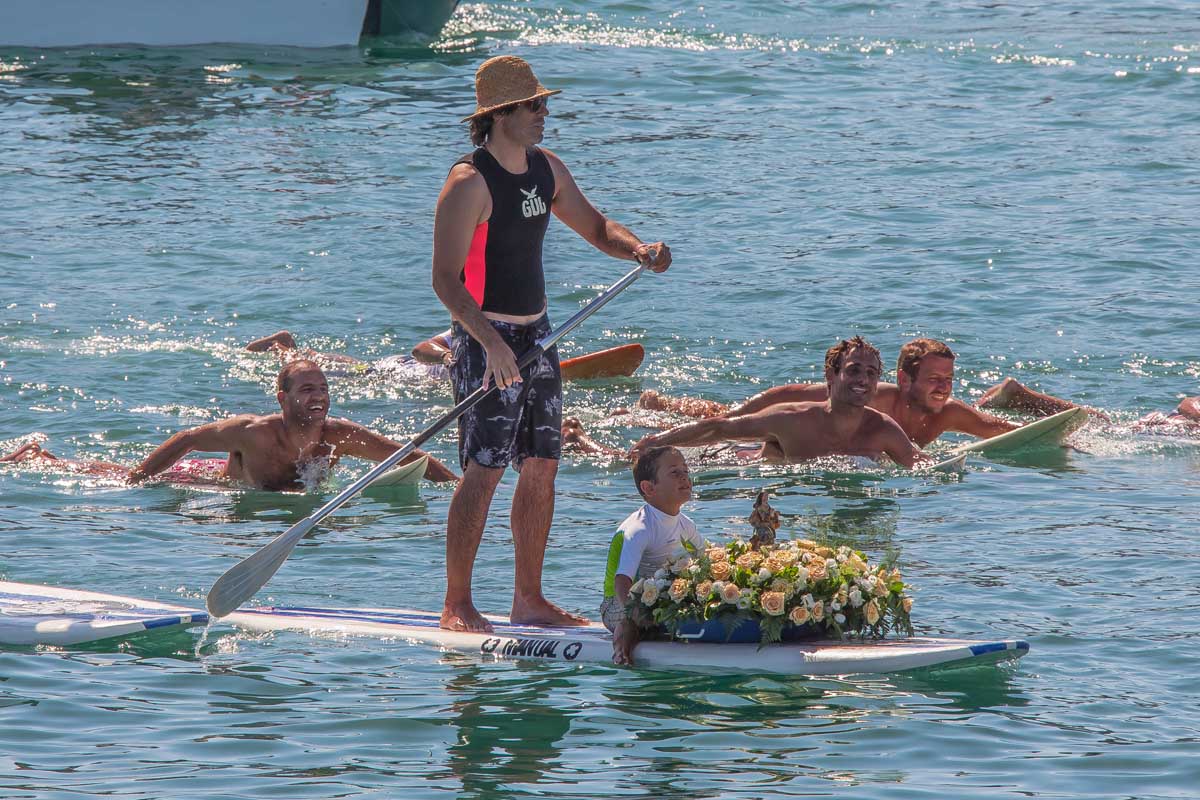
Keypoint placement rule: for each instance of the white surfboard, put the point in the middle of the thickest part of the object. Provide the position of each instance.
(593, 644)
(409, 474)
(32, 614)
(1044, 432)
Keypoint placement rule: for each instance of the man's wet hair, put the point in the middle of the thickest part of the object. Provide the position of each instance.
(912, 352)
(835, 355)
(646, 466)
(283, 382)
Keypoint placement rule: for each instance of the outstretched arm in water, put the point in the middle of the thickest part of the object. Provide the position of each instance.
(350, 438)
(789, 393)
(752, 428)
(224, 436)
(966, 419)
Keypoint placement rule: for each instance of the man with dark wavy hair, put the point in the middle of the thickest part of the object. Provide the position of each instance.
(491, 220)
(843, 424)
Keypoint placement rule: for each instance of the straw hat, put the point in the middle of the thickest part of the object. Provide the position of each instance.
(505, 81)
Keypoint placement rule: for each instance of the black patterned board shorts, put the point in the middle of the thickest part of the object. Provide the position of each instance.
(511, 424)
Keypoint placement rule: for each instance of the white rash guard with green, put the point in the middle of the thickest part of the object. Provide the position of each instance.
(647, 540)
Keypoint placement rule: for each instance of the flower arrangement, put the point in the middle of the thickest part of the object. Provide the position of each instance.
(797, 582)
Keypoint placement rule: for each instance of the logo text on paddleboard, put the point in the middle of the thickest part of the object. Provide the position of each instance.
(528, 648)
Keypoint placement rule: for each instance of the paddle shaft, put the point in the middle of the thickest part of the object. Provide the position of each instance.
(241, 581)
(473, 399)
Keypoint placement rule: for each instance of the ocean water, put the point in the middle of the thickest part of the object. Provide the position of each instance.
(1016, 178)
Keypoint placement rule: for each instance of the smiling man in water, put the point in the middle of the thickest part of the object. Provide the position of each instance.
(920, 400)
(844, 424)
(278, 451)
(287, 451)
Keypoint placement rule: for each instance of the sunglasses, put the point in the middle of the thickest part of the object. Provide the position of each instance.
(535, 105)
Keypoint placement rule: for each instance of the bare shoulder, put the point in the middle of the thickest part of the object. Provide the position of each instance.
(561, 173)
(877, 421)
(464, 178)
(250, 422)
(340, 428)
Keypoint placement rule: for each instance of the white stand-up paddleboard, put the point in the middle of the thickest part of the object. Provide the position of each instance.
(593, 644)
(32, 614)
(409, 474)
(1044, 432)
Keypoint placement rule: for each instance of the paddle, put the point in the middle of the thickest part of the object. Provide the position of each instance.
(241, 581)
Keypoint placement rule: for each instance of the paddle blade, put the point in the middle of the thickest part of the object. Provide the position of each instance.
(243, 580)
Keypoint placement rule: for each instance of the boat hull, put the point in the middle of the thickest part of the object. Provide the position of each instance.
(71, 23)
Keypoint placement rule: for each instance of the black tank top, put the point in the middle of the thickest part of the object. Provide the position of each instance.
(503, 271)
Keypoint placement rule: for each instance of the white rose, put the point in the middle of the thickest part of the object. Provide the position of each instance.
(840, 619)
(694, 569)
(856, 598)
(831, 564)
(807, 600)
(835, 605)
(765, 575)
(650, 593)
(660, 574)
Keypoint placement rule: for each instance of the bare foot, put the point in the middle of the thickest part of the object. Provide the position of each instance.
(463, 618)
(542, 612)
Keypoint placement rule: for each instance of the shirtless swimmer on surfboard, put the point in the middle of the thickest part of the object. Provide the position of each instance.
(275, 452)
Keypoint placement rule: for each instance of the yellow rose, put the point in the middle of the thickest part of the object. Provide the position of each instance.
(679, 590)
(824, 552)
(773, 603)
(716, 554)
(781, 585)
(856, 563)
(817, 570)
(806, 544)
(775, 564)
(880, 589)
(650, 593)
(721, 570)
(818, 611)
(730, 593)
(907, 603)
(798, 616)
(842, 596)
(786, 557)
(703, 589)
(872, 611)
(749, 560)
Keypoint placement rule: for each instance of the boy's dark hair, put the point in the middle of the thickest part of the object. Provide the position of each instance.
(646, 466)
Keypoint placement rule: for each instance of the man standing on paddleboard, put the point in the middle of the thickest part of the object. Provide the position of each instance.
(491, 219)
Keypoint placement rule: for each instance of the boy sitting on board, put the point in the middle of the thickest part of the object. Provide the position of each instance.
(647, 540)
